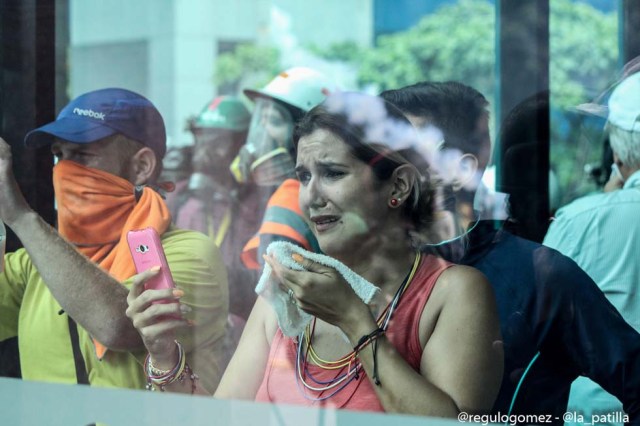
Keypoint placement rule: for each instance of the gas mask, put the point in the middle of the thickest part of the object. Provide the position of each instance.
(265, 159)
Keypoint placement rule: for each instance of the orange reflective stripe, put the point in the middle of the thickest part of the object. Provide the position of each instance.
(287, 196)
(249, 255)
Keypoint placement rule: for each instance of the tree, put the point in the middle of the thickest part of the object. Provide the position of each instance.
(457, 42)
(249, 65)
(583, 50)
(454, 43)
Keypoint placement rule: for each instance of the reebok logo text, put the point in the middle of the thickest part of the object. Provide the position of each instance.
(89, 113)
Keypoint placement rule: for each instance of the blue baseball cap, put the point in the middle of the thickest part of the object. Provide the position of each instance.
(102, 113)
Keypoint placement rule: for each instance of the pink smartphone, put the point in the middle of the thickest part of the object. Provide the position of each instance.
(147, 252)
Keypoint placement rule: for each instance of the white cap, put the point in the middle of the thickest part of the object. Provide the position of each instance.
(624, 104)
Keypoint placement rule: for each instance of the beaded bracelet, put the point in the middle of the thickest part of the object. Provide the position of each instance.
(159, 379)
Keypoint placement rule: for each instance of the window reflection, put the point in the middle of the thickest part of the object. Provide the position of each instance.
(184, 57)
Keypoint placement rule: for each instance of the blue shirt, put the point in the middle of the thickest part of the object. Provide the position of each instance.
(547, 304)
(601, 233)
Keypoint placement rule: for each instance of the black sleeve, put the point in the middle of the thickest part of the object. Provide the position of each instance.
(603, 346)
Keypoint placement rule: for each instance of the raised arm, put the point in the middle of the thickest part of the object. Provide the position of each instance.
(89, 295)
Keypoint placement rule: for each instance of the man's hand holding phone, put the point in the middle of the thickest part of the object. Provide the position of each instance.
(157, 315)
(154, 301)
(146, 250)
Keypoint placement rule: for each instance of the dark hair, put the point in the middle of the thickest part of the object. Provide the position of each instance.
(451, 106)
(342, 114)
(522, 166)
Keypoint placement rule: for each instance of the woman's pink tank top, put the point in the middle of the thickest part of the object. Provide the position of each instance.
(279, 384)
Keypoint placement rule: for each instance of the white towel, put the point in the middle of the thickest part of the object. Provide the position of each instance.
(291, 319)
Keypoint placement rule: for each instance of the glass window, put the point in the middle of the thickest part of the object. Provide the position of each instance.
(217, 72)
(583, 65)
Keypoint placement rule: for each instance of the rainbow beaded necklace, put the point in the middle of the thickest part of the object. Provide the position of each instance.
(350, 361)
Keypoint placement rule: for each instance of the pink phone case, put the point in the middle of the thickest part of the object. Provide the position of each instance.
(147, 252)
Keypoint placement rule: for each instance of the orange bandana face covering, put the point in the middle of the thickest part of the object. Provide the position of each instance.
(96, 210)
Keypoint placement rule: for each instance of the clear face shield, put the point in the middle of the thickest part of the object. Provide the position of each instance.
(265, 159)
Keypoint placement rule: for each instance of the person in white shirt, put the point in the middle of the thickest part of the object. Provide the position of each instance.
(601, 232)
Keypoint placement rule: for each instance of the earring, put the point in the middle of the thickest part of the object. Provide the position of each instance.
(137, 192)
(394, 202)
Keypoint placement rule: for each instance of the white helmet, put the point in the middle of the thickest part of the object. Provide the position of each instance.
(299, 87)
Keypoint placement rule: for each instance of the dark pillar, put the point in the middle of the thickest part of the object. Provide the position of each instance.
(27, 64)
(27, 100)
(523, 139)
(629, 29)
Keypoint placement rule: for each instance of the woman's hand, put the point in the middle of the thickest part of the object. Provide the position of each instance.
(157, 322)
(320, 291)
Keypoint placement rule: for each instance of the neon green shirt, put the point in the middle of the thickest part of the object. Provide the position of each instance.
(28, 310)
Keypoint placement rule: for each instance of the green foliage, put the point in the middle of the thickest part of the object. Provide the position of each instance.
(345, 51)
(454, 43)
(583, 49)
(256, 63)
(457, 42)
